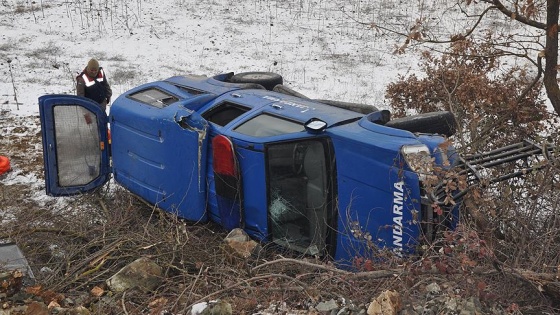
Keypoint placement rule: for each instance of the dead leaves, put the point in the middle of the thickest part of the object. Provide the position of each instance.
(48, 296)
(10, 282)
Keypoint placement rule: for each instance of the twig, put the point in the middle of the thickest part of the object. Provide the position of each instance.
(89, 280)
(93, 259)
(122, 303)
(105, 210)
(13, 83)
(45, 230)
(191, 287)
(267, 276)
(300, 262)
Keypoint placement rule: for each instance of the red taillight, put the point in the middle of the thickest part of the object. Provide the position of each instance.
(223, 156)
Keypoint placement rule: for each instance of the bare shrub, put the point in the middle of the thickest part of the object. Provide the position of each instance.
(520, 219)
(6, 46)
(118, 58)
(516, 221)
(467, 256)
(20, 8)
(487, 98)
(120, 76)
(48, 52)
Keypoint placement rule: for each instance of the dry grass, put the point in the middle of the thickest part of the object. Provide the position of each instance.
(77, 244)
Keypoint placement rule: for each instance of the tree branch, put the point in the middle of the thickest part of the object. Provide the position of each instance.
(299, 262)
(535, 81)
(520, 18)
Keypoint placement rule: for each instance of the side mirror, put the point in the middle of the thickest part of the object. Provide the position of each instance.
(315, 125)
(380, 117)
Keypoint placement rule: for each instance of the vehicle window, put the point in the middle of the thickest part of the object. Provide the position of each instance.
(224, 113)
(191, 91)
(297, 207)
(77, 145)
(154, 97)
(267, 125)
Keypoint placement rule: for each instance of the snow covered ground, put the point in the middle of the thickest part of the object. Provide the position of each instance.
(325, 49)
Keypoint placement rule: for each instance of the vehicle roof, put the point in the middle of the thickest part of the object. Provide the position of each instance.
(292, 107)
(259, 99)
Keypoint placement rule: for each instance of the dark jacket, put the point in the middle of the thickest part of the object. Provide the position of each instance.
(97, 89)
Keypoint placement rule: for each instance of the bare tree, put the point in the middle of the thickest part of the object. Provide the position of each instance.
(539, 40)
(551, 55)
(526, 12)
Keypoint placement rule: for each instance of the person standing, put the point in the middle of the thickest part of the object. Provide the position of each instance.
(92, 83)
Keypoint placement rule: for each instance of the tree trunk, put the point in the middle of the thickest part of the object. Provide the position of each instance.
(551, 55)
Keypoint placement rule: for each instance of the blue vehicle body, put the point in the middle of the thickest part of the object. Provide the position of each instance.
(247, 157)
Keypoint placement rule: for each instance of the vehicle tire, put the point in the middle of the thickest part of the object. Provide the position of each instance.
(443, 123)
(267, 79)
(355, 107)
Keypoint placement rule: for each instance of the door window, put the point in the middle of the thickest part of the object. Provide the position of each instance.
(298, 194)
(267, 126)
(77, 145)
(154, 97)
(224, 113)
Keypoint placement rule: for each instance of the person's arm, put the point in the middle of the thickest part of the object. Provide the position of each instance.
(80, 87)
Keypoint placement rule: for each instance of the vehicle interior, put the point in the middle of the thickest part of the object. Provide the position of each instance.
(298, 194)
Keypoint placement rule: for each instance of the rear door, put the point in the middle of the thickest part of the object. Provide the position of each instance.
(159, 151)
(75, 146)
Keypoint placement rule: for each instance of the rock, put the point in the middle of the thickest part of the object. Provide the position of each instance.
(471, 306)
(142, 273)
(68, 302)
(80, 310)
(238, 246)
(217, 307)
(327, 306)
(97, 291)
(387, 303)
(36, 308)
(20, 309)
(198, 308)
(53, 305)
(433, 288)
(451, 305)
(238, 235)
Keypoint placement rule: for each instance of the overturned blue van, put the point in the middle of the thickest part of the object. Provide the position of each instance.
(315, 176)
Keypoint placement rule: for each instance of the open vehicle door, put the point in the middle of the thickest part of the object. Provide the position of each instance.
(75, 146)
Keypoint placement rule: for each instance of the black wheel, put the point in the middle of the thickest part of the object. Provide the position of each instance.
(267, 79)
(436, 122)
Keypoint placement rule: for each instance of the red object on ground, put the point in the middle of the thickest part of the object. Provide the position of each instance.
(4, 164)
